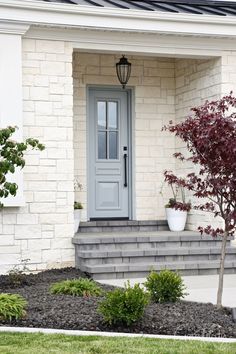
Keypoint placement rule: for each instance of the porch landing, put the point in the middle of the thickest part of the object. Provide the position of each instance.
(117, 255)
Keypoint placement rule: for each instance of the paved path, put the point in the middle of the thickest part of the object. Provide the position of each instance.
(200, 288)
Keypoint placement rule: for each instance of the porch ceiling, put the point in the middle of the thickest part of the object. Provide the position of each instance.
(198, 7)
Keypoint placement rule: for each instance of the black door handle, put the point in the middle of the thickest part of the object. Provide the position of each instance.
(125, 160)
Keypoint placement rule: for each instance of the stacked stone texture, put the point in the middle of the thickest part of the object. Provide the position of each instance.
(41, 231)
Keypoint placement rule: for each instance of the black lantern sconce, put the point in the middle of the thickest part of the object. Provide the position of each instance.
(123, 70)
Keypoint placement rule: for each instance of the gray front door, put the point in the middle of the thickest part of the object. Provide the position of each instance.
(108, 154)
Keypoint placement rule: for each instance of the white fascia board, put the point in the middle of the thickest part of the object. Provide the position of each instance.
(136, 43)
(68, 15)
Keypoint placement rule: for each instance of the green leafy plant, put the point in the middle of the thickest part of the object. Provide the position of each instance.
(12, 156)
(76, 287)
(124, 306)
(78, 205)
(17, 274)
(12, 306)
(165, 286)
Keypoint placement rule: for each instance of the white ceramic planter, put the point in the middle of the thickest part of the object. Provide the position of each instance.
(77, 216)
(176, 219)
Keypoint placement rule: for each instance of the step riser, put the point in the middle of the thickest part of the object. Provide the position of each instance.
(185, 272)
(146, 259)
(84, 230)
(146, 245)
(122, 226)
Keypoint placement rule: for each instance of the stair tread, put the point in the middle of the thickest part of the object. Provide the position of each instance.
(155, 251)
(174, 262)
(141, 236)
(169, 265)
(135, 233)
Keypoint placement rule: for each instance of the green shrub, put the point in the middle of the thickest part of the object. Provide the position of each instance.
(12, 306)
(124, 306)
(76, 287)
(166, 286)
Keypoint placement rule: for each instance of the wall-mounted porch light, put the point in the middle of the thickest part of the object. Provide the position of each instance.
(123, 70)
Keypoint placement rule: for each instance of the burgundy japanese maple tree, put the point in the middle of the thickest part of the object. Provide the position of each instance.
(210, 135)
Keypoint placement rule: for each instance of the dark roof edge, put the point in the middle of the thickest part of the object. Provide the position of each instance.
(193, 2)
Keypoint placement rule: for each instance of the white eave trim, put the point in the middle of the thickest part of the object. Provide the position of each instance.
(67, 15)
(13, 28)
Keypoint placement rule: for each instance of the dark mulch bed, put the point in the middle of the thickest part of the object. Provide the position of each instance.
(66, 312)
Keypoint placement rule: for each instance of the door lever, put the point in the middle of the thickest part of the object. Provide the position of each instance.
(125, 162)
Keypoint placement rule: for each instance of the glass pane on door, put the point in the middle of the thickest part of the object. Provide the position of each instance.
(102, 145)
(113, 145)
(101, 106)
(107, 130)
(112, 115)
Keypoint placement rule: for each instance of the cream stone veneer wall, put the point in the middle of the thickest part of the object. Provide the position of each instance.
(153, 83)
(196, 82)
(228, 72)
(42, 230)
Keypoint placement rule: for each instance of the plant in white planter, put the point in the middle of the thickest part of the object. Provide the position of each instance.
(176, 210)
(77, 206)
(77, 215)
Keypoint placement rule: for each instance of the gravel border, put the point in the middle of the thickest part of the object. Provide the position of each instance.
(64, 312)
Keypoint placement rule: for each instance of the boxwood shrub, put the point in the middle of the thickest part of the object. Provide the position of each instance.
(165, 286)
(124, 306)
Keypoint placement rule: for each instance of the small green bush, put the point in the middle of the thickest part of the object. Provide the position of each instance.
(12, 306)
(76, 287)
(166, 286)
(124, 306)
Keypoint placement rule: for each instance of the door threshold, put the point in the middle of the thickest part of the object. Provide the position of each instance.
(108, 219)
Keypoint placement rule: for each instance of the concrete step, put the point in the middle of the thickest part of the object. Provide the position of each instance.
(143, 240)
(134, 254)
(164, 254)
(141, 270)
(122, 226)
